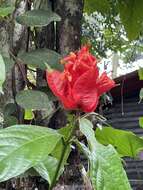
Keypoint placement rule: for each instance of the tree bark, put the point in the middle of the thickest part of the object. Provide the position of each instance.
(68, 38)
(19, 43)
(4, 49)
(68, 33)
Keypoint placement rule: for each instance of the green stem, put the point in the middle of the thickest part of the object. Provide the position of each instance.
(67, 143)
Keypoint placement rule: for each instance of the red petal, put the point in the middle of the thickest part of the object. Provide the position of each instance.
(104, 84)
(69, 58)
(85, 91)
(76, 70)
(61, 88)
(85, 57)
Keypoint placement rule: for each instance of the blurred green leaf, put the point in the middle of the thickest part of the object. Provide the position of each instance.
(10, 120)
(9, 109)
(40, 57)
(9, 63)
(132, 17)
(105, 167)
(140, 73)
(28, 115)
(38, 18)
(102, 6)
(125, 142)
(34, 99)
(2, 73)
(141, 94)
(141, 122)
(24, 146)
(5, 11)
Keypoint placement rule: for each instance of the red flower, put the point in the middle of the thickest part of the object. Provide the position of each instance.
(79, 86)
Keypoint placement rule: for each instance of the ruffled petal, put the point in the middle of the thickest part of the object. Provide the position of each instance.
(61, 88)
(104, 84)
(71, 58)
(85, 57)
(85, 91)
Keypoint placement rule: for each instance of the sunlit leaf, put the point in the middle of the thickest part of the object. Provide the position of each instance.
(24, 146)
(105, 167)
(125, 142)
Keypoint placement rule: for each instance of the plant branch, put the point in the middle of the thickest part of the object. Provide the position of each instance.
(67, 143)
(19, 62)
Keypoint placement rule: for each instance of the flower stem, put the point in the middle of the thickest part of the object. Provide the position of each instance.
(65, 147)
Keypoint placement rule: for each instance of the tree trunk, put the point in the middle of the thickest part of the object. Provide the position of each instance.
(68, 33)
(4, 49)
(19, 43)
(68, 38)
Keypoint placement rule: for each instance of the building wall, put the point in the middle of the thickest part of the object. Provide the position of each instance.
(126, 117)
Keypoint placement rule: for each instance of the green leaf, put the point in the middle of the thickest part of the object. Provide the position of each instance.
(105, 167)
(37, 18)
(132, 17)
(10, 120)
(141, 94)
(5, 11)
(102, 6)
(9, 63)
(57, 152)
(34, 99)
(9, 109)
(39, 58)
(28, 115)
(125, 142)
(23, 147)
(141, 122)
(2, 73)
(65, 131)
(47, 91)
(47, 168)
(140, 73)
